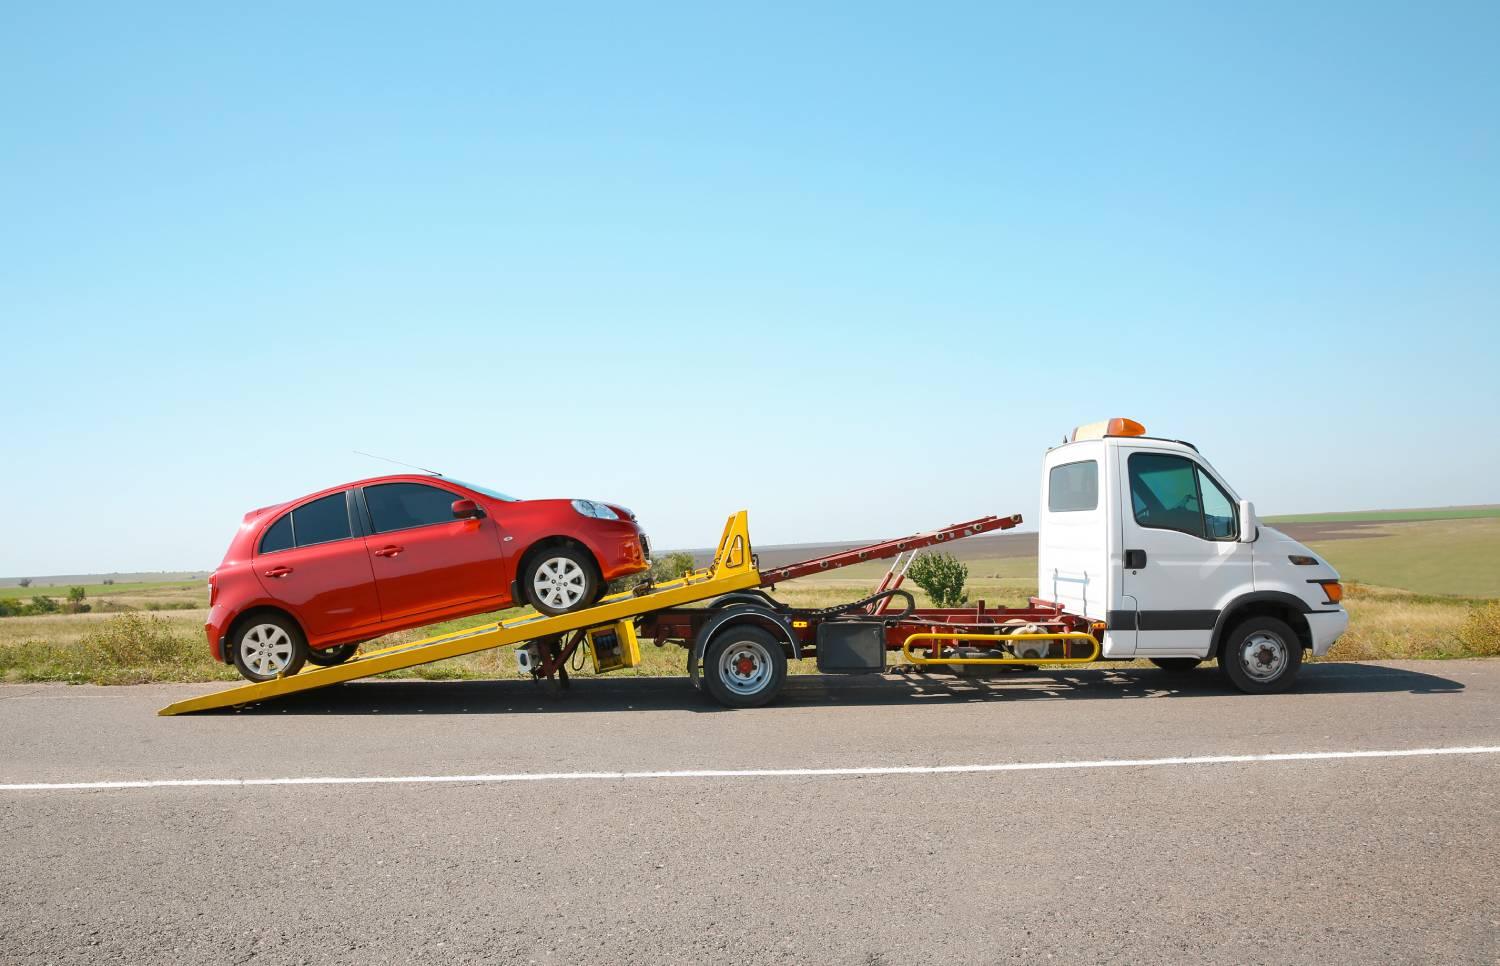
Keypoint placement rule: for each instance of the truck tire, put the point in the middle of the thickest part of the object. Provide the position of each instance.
(268, 646)
(331, 656)
(1261, 656)
(744, 667)
(1176, 665)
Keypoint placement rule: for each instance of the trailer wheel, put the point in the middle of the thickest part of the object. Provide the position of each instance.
(267, 647)
(1176, 665)
(1261, 656)
(331, 656)
(744, 667)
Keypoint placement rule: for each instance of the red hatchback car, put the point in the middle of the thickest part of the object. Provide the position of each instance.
(313, 578)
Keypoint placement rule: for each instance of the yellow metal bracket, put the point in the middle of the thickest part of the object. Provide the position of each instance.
(938, 637)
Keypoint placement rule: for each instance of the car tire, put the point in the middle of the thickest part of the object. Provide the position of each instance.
(331, 656)
(560, 580)
(1176, 665)
(268, 646)
(1261, 655)
(744, 667)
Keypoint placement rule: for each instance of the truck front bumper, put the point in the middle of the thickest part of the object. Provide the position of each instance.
(1326, 627)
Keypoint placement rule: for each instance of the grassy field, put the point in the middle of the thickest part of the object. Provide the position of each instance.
(1424, 589)
(150, 590)
(1392, 516)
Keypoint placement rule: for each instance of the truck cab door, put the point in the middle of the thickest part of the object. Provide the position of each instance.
(1181, 556)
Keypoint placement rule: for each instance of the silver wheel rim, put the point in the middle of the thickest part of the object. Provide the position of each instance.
(266, 649)
(559, 583)
(1263, 656)
(745, 667)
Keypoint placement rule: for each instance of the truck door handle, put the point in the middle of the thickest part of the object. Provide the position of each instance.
(1135, 559)
(389, 551)
(278, 571)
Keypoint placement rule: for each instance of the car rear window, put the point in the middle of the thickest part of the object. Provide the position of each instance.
(401, 506)
(278, 536)
(321, 521)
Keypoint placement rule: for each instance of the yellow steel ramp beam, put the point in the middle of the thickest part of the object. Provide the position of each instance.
(733, 568)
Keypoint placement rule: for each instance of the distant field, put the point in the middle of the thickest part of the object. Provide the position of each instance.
(1392, 516)
(1458, 557)
(152, 588)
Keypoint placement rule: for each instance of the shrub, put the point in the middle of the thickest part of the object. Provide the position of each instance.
(1480, 632)
(42, 605)
(671, 566)
(24, 582)
(942, 576)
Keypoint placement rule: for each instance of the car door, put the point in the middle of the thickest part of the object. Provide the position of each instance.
(1182, 555)
(425, 560)
(313, 560)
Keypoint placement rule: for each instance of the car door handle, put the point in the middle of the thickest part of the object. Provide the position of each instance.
(1135, 559)
(278, 571)
(388, 551)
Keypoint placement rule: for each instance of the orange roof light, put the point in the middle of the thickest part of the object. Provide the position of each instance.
(1118, 426)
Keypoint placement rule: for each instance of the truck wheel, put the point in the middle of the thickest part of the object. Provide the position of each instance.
(331, 656)
(1176, 665)
(561, 579)
(268, 647)
(744, 667)
(1261, 656)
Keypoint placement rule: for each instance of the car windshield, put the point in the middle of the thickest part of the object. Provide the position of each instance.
(494, 494)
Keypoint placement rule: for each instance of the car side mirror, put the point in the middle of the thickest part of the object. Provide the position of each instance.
(1249, 526)
(467, 510)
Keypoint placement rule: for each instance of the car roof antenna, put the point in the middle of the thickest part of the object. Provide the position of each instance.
(413, 466)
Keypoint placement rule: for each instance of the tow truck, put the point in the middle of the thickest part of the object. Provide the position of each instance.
(1144, 552)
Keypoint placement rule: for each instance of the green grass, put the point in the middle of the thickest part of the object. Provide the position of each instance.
(1441, 557)
(1391, 516)
(104, 590)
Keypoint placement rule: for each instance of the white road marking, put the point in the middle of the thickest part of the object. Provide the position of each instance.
(874, 770)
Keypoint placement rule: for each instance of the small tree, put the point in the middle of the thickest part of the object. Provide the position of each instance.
(109, 581)
(24, 581)
(43, 605)
(75, 604)
(942, 576)
(671, 566)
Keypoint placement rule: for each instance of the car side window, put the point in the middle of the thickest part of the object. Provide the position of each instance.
(1073, 486)
(1174, 493)
(278, 536)
(321, 521)
(401, 506)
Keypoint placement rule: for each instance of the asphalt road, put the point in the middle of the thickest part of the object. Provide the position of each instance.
(1324, 860)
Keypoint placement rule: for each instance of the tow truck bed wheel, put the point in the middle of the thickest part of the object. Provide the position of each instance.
(1261, 656)
(744, 667)
(1176, 665)
(332, 656)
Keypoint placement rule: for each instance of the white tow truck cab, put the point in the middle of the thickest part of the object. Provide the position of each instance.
(1143, 534)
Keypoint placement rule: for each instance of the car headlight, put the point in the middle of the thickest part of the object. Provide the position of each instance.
(598, 511)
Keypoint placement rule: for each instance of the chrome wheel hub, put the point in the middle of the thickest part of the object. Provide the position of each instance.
(266, 649)
(1263, 655)
(559, 583)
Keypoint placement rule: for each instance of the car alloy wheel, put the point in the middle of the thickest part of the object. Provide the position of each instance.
(560, 583)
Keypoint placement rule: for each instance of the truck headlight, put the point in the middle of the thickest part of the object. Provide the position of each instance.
(598, 511)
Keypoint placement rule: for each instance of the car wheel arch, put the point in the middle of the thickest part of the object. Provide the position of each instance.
(542, 545)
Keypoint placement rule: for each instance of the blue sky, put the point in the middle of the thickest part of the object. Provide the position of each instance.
(853, 268)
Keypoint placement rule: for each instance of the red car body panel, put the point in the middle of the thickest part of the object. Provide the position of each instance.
(371, 583)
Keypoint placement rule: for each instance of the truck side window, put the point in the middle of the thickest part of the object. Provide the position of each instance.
(1164, 493)
(1174, 493)
(1220, 520)
(1073, 486)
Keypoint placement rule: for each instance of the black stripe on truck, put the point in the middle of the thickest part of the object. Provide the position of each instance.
(1162, 620)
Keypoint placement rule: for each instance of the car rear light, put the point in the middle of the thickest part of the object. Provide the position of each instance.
(213, 589)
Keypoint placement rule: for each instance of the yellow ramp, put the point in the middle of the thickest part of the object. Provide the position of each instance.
(733, 568)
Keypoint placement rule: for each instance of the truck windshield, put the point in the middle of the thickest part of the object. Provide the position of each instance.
(493, 494)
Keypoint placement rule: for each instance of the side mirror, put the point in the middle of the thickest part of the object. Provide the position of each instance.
(1249, 526)
(467, 510)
